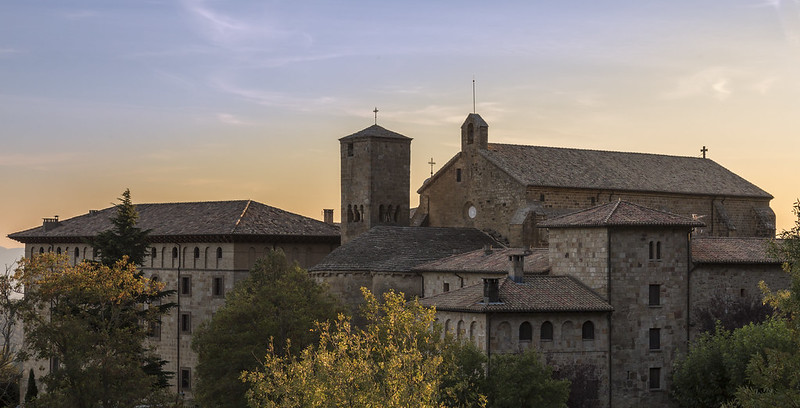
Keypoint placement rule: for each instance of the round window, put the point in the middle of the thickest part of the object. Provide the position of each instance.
(472, 211)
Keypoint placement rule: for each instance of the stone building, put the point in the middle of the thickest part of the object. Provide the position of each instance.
(199, 248)
(567, 226)
(511, 189)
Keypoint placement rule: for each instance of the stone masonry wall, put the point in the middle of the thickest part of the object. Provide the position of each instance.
(710, 282)
(639, 368)
(583, 254)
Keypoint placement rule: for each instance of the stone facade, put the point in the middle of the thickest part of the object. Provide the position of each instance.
(375, 177)
(482, 177)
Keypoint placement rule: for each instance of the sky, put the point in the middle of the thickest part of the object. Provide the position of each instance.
(198, 100)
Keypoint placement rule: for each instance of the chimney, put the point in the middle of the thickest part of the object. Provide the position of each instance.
(491, 290)
(49, 223)
(328, 216)
(516, 267)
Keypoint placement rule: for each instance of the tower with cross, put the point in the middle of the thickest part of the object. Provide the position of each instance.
(376, 179)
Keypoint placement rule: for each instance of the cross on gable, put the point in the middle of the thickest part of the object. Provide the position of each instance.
(703, 150)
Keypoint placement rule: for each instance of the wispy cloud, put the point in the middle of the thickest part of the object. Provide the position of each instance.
(42, 161)
(4, 52)
(81, 14)
(714, 82)
(230, 119)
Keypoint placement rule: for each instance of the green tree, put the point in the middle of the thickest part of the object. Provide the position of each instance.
(775, 375)
(124, 238)
(91, 319)
(394, 360)
(277, 300)
(33, 390)
(522, 380)
(10, 306)
(464, 379)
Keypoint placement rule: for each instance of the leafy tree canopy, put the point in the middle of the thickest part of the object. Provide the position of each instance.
(277, 300)
(522, 380)
(395, 360)
(92, 320)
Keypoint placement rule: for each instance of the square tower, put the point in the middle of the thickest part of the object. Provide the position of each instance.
(376, 179)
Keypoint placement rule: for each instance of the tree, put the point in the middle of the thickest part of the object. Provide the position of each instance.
(717, 363)
(395, 360)
(10, 306)
(32, 391)
(522, 380)
(124, 238)
(90, 321)
(731, 312)
(775, 375)
(278, 300)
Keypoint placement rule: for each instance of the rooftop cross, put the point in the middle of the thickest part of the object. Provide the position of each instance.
(431, 163)
(703, 150)
(376, 115)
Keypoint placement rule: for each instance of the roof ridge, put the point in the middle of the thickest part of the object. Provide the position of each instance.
(600, 150)
(236, 225)
(613, 210)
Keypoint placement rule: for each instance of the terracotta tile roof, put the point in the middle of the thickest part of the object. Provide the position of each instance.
(607, 170)
(620, 213)
(399, 249)
(539, 293)
(232, 219)
(491, 260)
(375, 131)
(725, 250)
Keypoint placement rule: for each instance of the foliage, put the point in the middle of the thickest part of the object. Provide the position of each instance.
(277, 300)
(32, 390)
(522, 380)
(91, 319)
(731, 312)
(775, 375)
(717, 363)
(464, 379)
(10, 306)
(395, 360)
(124, 239)
(584, 384)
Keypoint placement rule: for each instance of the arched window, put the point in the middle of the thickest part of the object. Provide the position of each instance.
(174, 252)
(77, 252)
(652, 251)
(547, 332)
(349, 213)
(58, 251)
(196, 252)
(219, 252)
(658, 250)
(389, 215)
(153, 253)
(361, 213)
(470, 133)
(525, 332)
(588, 330)
(396, 212)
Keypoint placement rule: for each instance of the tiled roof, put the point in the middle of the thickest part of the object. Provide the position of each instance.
(725, 250)
(375, 131)
(398, 249)
(491, 260)
(539, 293)
(606, 170)
(242, 218)
(620, 213)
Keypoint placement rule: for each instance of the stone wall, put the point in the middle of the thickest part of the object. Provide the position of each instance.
(435, 282)
(581, 253)
(712, 282)
(639, 368)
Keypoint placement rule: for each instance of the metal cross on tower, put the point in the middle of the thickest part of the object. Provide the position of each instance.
(376, 115)
(431, 163)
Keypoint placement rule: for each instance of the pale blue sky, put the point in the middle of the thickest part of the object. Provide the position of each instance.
(205, 100)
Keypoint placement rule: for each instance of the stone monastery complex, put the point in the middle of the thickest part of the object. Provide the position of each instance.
(597, 259)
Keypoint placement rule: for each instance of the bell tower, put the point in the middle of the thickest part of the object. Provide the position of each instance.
(376, 178)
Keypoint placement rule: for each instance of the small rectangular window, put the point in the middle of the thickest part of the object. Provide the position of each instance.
(655, 295)
(445, 287)
(655, 339)
(655, 378)
(186, 378)
(186, 285)
(186, 323)
(154, 330)
(350, 150)
(458, 175)
(218, 287)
